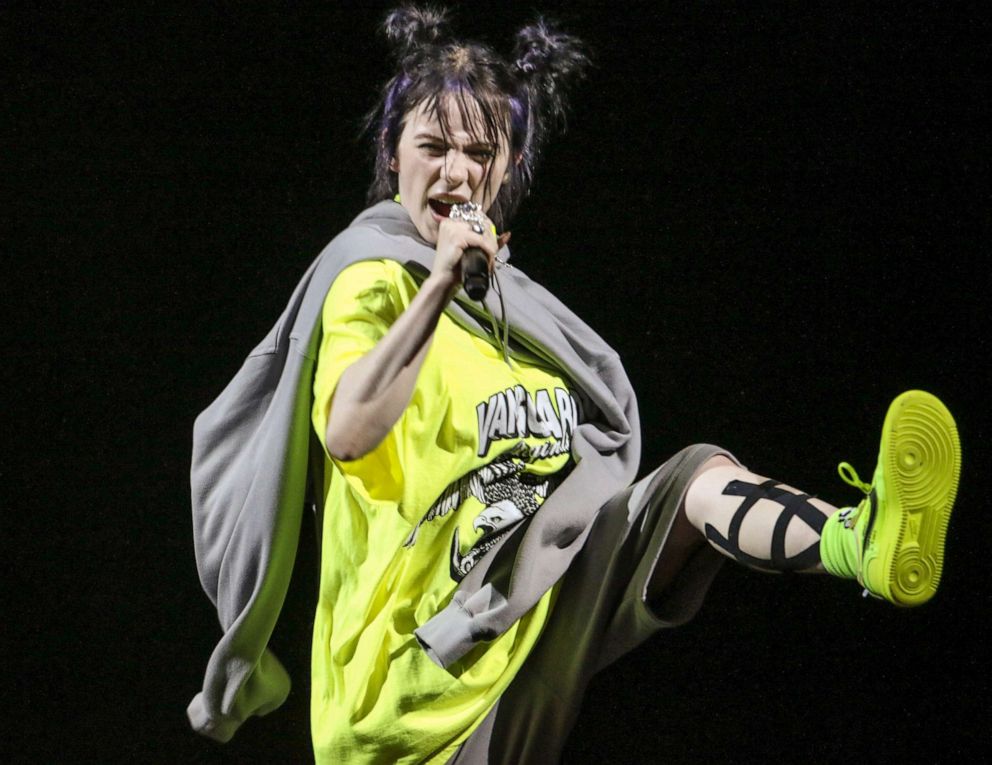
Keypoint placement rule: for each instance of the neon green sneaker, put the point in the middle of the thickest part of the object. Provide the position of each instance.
(893, 541)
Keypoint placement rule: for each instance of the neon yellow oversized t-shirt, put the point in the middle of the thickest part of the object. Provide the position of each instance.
(474, 453)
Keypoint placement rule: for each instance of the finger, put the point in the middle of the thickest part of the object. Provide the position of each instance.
(485, 239)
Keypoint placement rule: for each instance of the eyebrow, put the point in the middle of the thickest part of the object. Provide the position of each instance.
(440, 139)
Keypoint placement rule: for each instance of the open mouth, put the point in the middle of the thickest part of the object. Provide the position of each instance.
(443, 209)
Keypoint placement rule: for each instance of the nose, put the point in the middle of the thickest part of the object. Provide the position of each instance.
(455, 169)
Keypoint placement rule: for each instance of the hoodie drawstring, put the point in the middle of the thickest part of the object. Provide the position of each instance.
(503, 341)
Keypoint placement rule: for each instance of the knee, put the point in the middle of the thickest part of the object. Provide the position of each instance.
(709, 479)
(716, 461)
(718, 456)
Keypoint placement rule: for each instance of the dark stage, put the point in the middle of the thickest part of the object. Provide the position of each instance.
(776, 213)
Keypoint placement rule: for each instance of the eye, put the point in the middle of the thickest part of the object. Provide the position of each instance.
(482, 156)
(434, 149)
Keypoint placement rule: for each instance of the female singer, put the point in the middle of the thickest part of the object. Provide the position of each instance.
(483, 552)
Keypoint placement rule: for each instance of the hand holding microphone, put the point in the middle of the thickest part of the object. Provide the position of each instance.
(475, 263)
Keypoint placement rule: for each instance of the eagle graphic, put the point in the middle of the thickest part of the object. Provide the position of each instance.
(509, 495)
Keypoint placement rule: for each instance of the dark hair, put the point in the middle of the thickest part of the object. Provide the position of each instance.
(520, 102)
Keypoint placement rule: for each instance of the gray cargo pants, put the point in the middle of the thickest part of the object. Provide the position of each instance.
(599, 615)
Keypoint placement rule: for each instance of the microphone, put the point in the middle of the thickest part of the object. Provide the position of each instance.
(475, 273)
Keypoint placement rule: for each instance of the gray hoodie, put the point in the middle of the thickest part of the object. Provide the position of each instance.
(253, 451)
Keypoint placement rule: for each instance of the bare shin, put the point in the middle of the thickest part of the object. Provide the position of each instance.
(758, 522)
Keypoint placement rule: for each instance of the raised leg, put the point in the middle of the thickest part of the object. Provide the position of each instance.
(761, 523)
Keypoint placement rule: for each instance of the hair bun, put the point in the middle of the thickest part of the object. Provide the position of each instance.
(542, 50)
(409, 27)
(550, 61)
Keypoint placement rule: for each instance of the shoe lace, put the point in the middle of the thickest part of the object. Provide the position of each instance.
(850, 515)
(850, 476)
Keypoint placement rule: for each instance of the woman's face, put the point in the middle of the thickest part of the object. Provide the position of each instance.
(435, 173)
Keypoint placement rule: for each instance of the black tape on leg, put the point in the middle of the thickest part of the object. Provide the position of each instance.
(797, 506)
(731, 544)
(793, 506)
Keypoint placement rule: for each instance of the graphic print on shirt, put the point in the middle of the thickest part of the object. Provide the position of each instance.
(514, 413)
(506, 491)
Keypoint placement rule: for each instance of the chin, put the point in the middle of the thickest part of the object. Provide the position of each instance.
(429, 236)
(427, 227)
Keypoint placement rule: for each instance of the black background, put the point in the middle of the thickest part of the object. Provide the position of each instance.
(777, 214)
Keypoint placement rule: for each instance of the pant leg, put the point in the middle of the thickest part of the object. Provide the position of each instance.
(599, 615)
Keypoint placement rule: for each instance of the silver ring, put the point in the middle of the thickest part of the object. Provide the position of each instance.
(465, 210)
(471, 213)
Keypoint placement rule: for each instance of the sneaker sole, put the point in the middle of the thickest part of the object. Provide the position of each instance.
(922, 464)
